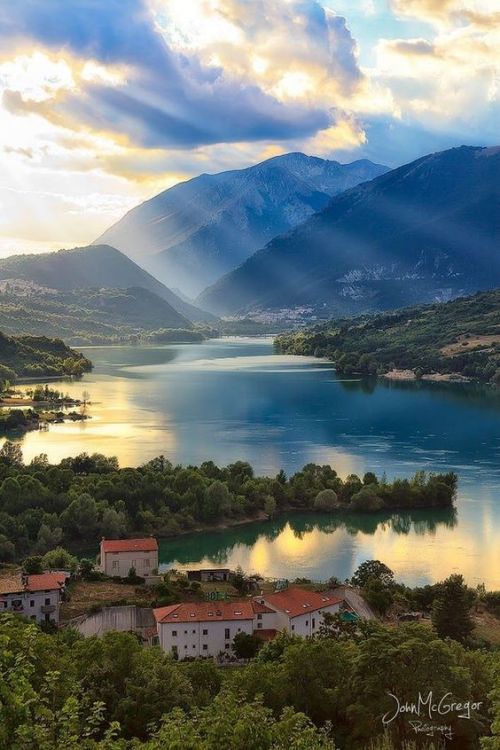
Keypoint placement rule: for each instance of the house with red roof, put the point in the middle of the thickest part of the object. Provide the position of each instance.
(36, 597)
(118, 556)
(300, 611)
(193, 629)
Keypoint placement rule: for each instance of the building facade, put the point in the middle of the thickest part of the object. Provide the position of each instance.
(207, 629)
(36, 597)
(119, 556)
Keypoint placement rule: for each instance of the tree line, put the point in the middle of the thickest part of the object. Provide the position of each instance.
(80, 499)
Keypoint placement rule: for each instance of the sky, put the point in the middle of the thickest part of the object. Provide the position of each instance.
(104, 103)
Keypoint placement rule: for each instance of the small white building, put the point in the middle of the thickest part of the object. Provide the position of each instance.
(300, 611)
(193, 629)
(36, 597)
(118, 556)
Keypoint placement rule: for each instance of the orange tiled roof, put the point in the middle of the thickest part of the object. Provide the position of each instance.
(204, 612)
(45, 581)
(260, 608)
(149, 544)
(296, 601)
(11, 584)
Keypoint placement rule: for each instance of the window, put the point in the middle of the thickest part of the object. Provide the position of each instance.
(33, 617)
(185, 632)
(205, 647)
(307, 623)
(185, 645)
(174, 633)
(227, 634)
(293, 627)
(147, 563)
(32, 602)
(227, 647)
(194, 631)
(114, 565)
(259, 617)
(205, 632)
(314, 622)
(259, 624)
(47, 602)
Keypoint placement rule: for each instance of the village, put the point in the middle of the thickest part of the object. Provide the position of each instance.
(204, 624)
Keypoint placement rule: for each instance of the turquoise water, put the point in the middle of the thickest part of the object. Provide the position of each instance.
(235, 399)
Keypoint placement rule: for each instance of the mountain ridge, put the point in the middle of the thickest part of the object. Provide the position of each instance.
(424, 231)
(197, 230)
(93, 266)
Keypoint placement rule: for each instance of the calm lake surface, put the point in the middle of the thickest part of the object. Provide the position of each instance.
(235, 399)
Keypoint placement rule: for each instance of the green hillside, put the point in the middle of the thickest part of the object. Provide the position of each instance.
(456, 338)
(33, 356)
(86, 316)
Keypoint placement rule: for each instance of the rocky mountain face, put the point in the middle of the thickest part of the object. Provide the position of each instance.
(427, 231)
(191, 234)
(98, 267)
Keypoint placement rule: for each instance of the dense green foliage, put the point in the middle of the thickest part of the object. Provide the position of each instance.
(61, 692)
(92, 316)
(38, 356)
(82, 498)
(457, 337)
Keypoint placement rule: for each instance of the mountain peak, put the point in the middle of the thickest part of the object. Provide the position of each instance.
(425, 231)
(192, 233)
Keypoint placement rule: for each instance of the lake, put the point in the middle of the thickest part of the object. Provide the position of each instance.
(231, 399)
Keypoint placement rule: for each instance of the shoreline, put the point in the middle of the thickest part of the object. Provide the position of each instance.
(435, 377)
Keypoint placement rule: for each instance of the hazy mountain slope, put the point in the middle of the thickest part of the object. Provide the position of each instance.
(97, 266)
(198, 230)
(426, 231)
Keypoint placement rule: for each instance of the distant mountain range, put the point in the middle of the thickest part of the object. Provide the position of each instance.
(196, 231)
(427, 231)
(102, 267)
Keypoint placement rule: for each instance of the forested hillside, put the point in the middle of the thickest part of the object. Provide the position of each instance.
(38, 356)
(460, 337)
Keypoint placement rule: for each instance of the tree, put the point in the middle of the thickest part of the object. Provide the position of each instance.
(336, 627)
(326, 500)
(245, 646)
(270, 506)
(59, 559)
(11, 455)
(372, 569)
(451, 609)
(33, 564)
(81, 516)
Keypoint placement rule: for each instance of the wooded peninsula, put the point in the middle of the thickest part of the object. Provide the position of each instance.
(83, 498)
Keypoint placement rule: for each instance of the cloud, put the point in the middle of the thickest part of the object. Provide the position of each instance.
(480, 13)
(178, 93)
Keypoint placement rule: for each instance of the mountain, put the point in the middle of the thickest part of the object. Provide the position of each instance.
(97, 266)
(424, 232)
(33, 356)
(87, 316)
(194, 232)
(447, 339)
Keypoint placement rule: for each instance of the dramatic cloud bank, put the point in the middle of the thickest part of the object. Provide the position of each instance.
(104, 103)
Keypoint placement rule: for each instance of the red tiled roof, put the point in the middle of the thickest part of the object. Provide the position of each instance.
(204, 612)
(260, 608)
(296, 601)
(129, 545)
(45, 581)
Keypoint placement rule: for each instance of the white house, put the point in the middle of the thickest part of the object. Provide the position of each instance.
(35, 596)
(300, 611)
(208, 628)
(118, 556)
